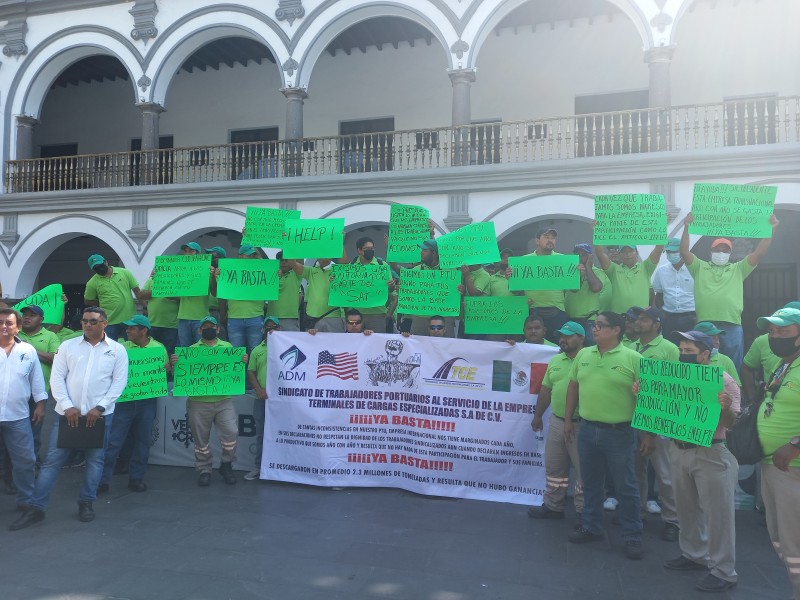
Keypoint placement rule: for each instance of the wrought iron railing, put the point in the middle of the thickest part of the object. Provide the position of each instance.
(768, 120)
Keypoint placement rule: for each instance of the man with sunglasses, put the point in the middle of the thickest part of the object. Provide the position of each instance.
(779, 432)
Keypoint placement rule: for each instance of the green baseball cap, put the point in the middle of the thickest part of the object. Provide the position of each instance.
(219, 251)
(275, 320)
(782, 318)
(709, 328)
(673, 245)
(138, 321)
(208, 319)
(793, 304)
(247, 250)
(193, 246)
(95, 259)
(572, 328)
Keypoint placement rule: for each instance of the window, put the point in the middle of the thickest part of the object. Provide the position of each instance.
(750, 120)
(366, 145)
(622, 133)
(257, 157)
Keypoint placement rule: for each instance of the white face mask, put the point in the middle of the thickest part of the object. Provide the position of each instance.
(720, 258)
(674, 257)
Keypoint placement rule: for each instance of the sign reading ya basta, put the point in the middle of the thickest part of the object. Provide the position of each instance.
(435, 416)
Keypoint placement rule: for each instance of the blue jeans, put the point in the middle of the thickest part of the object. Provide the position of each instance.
(138, 416)
(609, 452)
(188, 332)
(18, 439)
(57, 458)
(732, 343)
(245, 332)
(259, 414)
(117, 331)
(167, 336)
(36, 428)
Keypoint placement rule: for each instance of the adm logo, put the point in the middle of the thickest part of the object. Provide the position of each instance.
(292, 358)
(451, 374)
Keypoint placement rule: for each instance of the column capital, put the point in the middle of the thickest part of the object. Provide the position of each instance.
(461, 75)
(294, 93)
(150, 107)
(27, 121)
(659, 54)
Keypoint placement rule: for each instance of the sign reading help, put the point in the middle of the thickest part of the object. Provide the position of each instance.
(49, 300)
(313, 238)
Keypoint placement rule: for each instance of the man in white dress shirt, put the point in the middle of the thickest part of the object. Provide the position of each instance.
(673, 286)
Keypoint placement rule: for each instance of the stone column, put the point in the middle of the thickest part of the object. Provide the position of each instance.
(461, 79)
(658, 60)
(25, 126)
(24, 177)
(295, 97)
(150, 116)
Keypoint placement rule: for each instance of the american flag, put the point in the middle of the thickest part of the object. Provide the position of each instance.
(343, 365)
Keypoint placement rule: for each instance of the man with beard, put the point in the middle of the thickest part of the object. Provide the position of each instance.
(549, 304)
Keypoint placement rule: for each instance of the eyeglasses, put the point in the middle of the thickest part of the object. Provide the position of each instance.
(436, 327)
(92, 321)
(354, 322)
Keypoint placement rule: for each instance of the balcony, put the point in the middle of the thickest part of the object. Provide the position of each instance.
(770, 120)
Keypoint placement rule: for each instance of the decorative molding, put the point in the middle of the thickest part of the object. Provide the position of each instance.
(144, 20)
(138, 231)
(661, 21)
(144, 82)
(12, 35)
(288, 205)
(457, 211)
(459, 48)
(290, 10)
(290, 66)
(666, 189)
(659, 54)
(10, 235)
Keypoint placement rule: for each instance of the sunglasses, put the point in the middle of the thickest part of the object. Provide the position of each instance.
(354, 322)
(91, 321)
(436, 327)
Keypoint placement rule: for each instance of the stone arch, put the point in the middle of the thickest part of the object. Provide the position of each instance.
(198, 28)
(316, 34)
(355, 209)
(489, 15)
(32, 250)
(676, 8)
(187, 226)
(578, 206)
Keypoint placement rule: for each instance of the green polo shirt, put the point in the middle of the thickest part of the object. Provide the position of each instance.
(759, 356)
(481, 280)
(317, 292)
(193, 308)
(258, 363)
(630, 285)
(498, 286)
(784, 422)
(583, 302)
(287, 306)
(162, 312)
(43, 341)
(658, 349)
(245, 309)
(719, 291)
(605, 381)
(629, 343)
(545, 298)
(114, 294)
(220, 344)
(373, 310)
(557, 379)
(721, 360)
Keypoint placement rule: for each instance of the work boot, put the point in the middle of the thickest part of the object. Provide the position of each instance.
(28, 518)
(85, 512)
(226, 472)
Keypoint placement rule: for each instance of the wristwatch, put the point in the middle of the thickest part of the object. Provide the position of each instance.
(795, 441)
(100, 409)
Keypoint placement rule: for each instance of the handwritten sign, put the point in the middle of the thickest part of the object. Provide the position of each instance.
(495, 314)
(183, 275)
(429, 292)
(147, 377)
(554, 272)
(408, 227)
(723, 209)
(248, 279)
(359, 286)
(678, 400)
(209, 371)
(474, 244)
(630, 219)
(313, 238)
(264, 227)
(49, 300)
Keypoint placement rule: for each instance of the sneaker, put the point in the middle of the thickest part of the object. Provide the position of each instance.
(204, 480)
(582, 536)
(253, 475)
(653, 508)
(684, 564)
(610, 504)
(542, 512)
(670, 532)
(633, 549)
(712, 583)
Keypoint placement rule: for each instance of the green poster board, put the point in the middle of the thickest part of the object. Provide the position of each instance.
(313, 238)
(495, 314)
(630, 219)
(429, 292)
(359, 286)
(264, 227)
(408, 227)
(183, 275)
(248, 279)
(473, 244)
(723, 209)
(49, 300)
(554, 272)
(147, 375)
(209, 371)
(678, 400)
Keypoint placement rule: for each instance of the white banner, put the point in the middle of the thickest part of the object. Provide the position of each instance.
(437, 416)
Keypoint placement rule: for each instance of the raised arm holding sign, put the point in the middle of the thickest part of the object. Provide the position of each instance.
(722, 209)
(264, 227)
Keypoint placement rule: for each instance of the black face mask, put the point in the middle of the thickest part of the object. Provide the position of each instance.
(369, 254)
(783, 347)
(100, 269)
(209, 334)
(688, 358)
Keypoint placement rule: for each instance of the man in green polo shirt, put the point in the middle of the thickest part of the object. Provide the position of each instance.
(163, 316)
(193, 309)
(429, 259)
(110, 288)
(560, 454)
(375, 316)
(319, 314)
(205, 411)
(287, 306)
(779, 432)
(548, 303)
(630, 280)
(243, 318)
(601, 385)
(584, 304)
(719, 286)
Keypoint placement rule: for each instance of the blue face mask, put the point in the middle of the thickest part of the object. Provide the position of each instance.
(674, 257)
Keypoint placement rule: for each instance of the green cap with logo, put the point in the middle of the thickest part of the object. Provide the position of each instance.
(208, 319)
(95, 259)
(218, 250)
(572, 328)
(673, 245)
(275, 320)
(709, 328)
(781, 318)
(138, 321)
(247, 250)
(192, 246)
